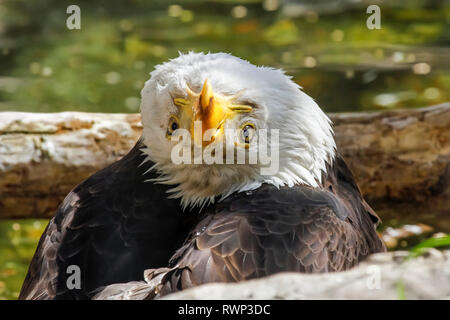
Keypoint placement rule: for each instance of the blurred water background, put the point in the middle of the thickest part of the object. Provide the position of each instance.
(325, 45)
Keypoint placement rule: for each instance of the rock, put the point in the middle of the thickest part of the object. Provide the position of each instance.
(390, 275)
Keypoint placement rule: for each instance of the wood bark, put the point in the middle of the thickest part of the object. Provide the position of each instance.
(400, 158)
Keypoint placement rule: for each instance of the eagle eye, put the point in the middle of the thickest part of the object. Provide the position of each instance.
(247, 132)
(172, 126)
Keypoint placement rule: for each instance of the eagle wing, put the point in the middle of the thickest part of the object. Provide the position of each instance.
(114, 225)
(41, 279)
(269, 230)
(296, 230)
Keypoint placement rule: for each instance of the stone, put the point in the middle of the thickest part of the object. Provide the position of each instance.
(381, 276)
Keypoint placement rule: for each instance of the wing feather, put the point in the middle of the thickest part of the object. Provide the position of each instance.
(113, 226)
(273, 230)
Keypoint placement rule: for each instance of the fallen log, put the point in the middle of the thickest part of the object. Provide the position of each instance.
(399, 157)
(401, 160)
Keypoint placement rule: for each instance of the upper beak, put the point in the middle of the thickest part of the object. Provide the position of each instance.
(213, 111)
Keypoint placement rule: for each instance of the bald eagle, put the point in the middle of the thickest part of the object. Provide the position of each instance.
(300, 211)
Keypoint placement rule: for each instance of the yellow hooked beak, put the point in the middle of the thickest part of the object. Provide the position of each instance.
(212, 110)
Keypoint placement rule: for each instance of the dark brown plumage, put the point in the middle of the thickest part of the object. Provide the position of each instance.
(259, 233)
(114, 225)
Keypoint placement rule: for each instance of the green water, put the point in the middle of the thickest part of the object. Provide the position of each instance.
(329, 51)
(44, 67)
(18, 240)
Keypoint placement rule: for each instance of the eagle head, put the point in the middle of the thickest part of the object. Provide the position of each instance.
(214, 124)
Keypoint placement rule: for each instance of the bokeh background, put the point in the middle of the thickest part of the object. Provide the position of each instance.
(325, 45)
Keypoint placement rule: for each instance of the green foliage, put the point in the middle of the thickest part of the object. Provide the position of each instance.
(440, 242)
(401, 295)
(18, 242)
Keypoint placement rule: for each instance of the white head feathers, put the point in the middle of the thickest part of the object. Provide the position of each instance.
(306, 140)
